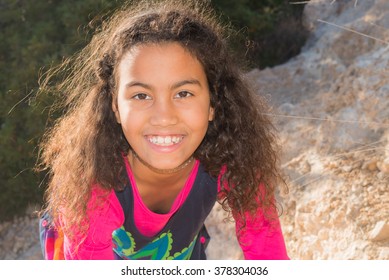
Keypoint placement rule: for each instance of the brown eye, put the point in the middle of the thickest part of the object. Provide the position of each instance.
(141, 96)
(183, 94)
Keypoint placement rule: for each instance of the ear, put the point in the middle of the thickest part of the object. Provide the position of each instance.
(115, 109)
(211, 114)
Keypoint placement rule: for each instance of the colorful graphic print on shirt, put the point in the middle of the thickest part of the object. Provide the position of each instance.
(158, 249)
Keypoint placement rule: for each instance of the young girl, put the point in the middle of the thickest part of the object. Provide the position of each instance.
(160, 125)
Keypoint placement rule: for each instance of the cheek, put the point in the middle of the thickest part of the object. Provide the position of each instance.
(198, 118)
(128, 120)
(130, 123)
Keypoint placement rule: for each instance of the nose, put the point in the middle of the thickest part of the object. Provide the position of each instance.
(164, 113)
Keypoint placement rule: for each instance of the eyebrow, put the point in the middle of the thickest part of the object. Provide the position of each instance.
(174, 86)
(186, 82)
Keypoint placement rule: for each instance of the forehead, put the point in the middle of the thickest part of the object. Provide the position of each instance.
(168, 60)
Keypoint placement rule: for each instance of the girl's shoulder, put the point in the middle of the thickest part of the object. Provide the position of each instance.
(104, 202)
(104, 215)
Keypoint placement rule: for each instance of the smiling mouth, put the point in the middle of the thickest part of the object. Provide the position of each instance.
(164, 140)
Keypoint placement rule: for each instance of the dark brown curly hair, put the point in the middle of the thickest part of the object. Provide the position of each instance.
(86, 145)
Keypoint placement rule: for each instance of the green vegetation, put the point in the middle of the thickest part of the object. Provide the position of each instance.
(35, 35)
(271, 29)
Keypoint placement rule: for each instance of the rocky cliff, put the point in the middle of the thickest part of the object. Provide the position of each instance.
(331, 106)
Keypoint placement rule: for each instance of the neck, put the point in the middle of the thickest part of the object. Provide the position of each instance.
(147, 174)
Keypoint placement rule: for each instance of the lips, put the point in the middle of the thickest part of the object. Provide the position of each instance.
(164, 140)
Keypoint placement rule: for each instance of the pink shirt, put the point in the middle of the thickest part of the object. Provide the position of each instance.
(259, 240)
(149, 223)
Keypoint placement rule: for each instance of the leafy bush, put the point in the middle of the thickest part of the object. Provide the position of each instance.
(38, 34)
(34, 35)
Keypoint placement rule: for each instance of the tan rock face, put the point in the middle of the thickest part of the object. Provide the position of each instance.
(380, 231)
(384, 166)
(331, 107)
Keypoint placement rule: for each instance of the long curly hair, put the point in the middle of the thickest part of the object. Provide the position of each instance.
(85, 146)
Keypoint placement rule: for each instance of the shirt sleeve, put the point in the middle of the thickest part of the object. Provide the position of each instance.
(261, 239)
(105, 214)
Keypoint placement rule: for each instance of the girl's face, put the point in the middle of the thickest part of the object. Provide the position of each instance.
(163, 103)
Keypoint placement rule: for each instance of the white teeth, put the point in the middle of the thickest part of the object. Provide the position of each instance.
(168, 140)
(165, 141)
